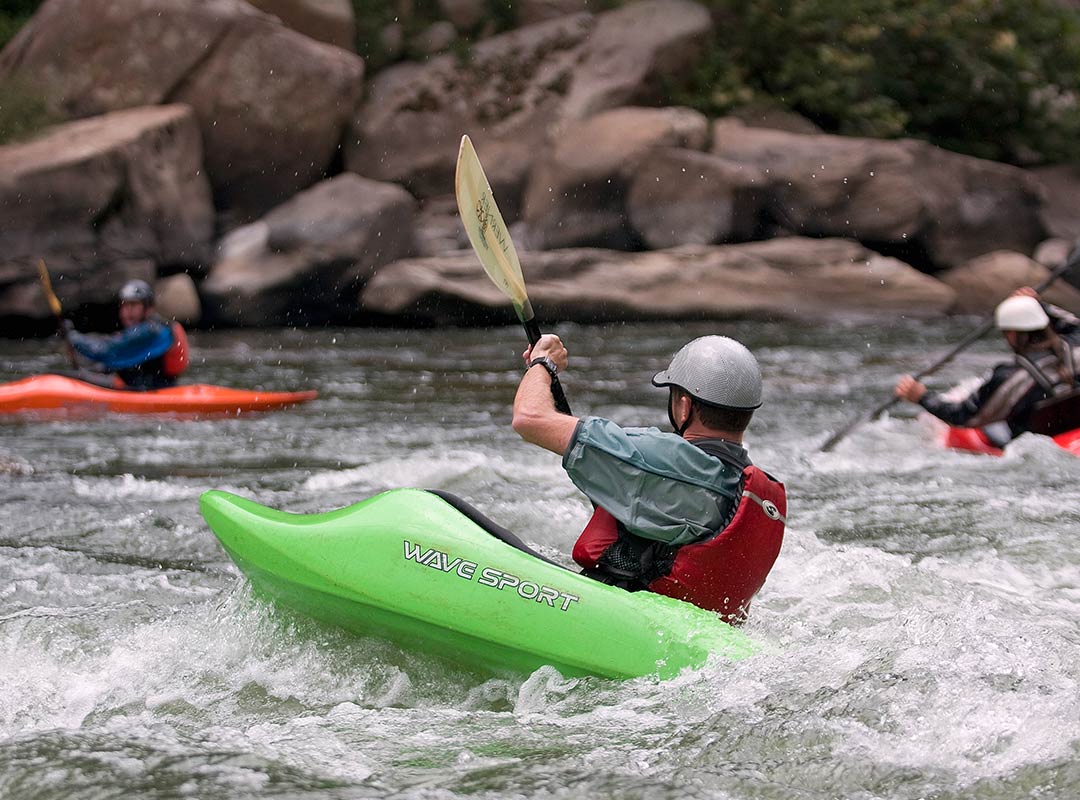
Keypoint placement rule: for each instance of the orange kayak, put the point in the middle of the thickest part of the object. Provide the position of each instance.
(51, 393)
(974, 441)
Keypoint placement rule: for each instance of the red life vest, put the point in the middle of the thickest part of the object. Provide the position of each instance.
(176, 359)
(721, 573)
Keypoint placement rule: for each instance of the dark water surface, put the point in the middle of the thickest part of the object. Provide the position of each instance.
(920, 633)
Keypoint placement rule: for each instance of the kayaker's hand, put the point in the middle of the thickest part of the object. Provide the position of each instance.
(909, 389)
(66, 327)
(1024, 291)
(551, 346)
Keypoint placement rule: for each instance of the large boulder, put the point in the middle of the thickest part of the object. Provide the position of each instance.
(176, 297)
(513, 88)
(464, 15)
(576, 196)
(633, 52)
(330, 21)
(906, 196)
(533, 11)
(789, 277)
(680, 196)
(271, 103)
(1061, 199)
(504, 96)
(985, 281)
(1055, 252)
(305, 261)
(102, 200)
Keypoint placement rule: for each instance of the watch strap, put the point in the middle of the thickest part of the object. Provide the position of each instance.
(547, 364)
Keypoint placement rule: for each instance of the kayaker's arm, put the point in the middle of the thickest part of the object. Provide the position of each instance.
(960, 412)
(1064, 323)
(535, 418)
(125, 349)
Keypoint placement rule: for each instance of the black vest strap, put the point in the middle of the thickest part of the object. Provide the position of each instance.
(1036, 373)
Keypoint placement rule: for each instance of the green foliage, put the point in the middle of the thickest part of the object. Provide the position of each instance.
(413, 17)
(999, 79)
(23, 110)
(13, 15)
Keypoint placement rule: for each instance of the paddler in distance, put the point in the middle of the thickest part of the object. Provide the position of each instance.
(148, 353)
(1045, 341)
(684, 514)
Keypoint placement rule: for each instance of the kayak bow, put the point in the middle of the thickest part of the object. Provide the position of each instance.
(409, 566)
(973, 440)
(53, 393)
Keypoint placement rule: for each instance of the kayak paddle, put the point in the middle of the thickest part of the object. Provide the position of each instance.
(491, 240)
(1071, 261)
(57, 309)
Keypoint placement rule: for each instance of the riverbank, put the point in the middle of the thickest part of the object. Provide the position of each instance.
(261, 177)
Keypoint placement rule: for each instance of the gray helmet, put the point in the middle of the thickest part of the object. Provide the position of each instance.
(136, 292)
(716, 370)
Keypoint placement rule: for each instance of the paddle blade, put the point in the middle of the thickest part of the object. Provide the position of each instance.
(486, 228)
(46, 285)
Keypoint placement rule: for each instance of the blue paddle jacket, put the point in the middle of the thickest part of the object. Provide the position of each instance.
(135, 354)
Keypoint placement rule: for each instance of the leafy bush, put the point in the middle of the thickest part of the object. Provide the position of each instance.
(373, 17)
(997, 79)
(13, 15)
(23, 110)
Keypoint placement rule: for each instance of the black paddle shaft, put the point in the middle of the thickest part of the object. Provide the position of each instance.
(1070, 262)
(532, 330)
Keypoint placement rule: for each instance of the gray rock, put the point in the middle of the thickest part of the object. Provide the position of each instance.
(782, 278)
(392, 40)
(304, 262)
(576, 196)
(436, 38)
(102, 200)
(1061, 199)
(529, 12)
(632, 51)
(271, 103)
(464, 15)
(513, 88)
(681, 196)
(504, 96)
(906, 194)
(177, 298)
(985, 281)
(330, 21)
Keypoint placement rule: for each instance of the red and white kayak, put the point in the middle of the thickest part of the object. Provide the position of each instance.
(50, 394)
(974, 440)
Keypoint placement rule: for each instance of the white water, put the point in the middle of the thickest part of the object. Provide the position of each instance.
(920, 631)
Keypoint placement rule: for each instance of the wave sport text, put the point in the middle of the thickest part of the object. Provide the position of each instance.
(488, 576)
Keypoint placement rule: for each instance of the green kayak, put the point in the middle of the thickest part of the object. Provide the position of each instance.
(429, 572)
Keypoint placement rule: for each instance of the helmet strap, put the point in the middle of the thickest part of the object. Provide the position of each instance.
(671, 415)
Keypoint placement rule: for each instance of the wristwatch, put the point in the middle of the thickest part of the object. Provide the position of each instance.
(547, 364)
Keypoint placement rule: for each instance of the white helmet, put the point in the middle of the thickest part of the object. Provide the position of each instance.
(1021, 313)
(136, 291)
(717, 371)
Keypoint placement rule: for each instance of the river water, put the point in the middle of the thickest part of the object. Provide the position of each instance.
(920, 634)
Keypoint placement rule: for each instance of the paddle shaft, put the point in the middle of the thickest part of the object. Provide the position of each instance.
(532, 330)
(57, 309)
(975, 335)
